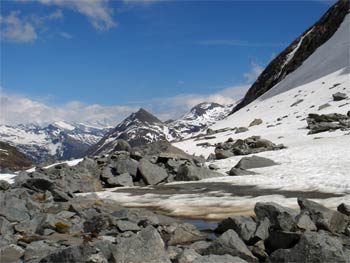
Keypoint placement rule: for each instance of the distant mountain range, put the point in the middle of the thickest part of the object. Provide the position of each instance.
(65, 140)
(57, 141)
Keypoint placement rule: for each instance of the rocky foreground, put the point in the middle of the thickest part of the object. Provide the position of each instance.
(42, 219)
(37, 225)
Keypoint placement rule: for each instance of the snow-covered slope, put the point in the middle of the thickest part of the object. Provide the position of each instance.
(57, 141)
(199, 118)
(291, 58)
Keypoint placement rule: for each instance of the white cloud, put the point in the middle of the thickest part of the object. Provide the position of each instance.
(15, 29)
(174, 107)
(55, 15)
(97, 11)
(16, 109)
(66, 35)
(254, 72)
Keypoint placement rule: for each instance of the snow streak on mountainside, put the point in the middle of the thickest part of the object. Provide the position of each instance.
(199, 118)
(57, 141)
(295, 55)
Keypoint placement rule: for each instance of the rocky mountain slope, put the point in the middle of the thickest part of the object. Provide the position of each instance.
(57, 141)
(199, 118)
(298, 52)
(142, 127)
(11, 159)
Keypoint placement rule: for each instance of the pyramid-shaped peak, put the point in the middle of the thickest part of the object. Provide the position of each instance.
(145, 116)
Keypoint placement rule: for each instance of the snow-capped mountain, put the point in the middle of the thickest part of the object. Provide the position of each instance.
(298, 52)
(199, 118)
(142, 127)
(139, 128)
(57, 141)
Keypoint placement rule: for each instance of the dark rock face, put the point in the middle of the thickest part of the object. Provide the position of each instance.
(277, 70)
(253, 144)
(327, 122)
(12, 159)
(151, 173)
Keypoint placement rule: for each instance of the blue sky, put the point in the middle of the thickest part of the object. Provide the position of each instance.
(146, 53)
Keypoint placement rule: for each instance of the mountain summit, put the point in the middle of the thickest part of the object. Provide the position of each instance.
(139, 128)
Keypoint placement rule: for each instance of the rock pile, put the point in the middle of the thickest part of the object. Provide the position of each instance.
(327, 122)
(251, 145)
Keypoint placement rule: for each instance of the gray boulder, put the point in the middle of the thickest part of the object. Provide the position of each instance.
(344, 209)
(244, 226)
(218, 259)
(120, 180)
(256, 122)
(281, 218)
(254, 162)
(185, 233)
(146, 246)
(70, 254)
(241, 129)
(223, 154)
(313, 247)
(122, 145)
(304, 222)
(239, 171)
(151, 173)
(339, 96)
(187, 256)
(262, 229)
(124, 225)
(11, 253)
(323, 217)
(230, 243)
(194, 173)
(4, 185)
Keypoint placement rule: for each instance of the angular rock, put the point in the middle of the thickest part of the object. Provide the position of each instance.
(323, 217)
(151, 173)
(122, 145)
(281, 218)
(339, 96)
(304, 222)
(244, 226)
(4, 185)
(185, 233)
(241, 129)
(254, 162)
(187, 256)
(239, 171)
(11, 253)
(219, 259)
(200, 246)
(262, 229)
(256, 122)
(193, 173)
(120, 180)
(70, 254)
(127, 226)
(313, 247)
(344, 209)
(223, 154)
(230, 243)
(37, 250)
(146, 246)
